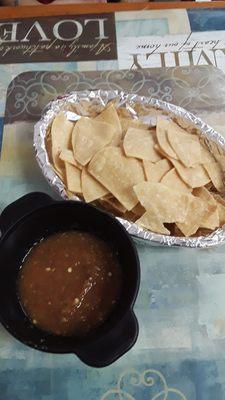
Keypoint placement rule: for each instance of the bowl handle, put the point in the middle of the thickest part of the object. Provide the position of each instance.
(21, 207)
(109, 349)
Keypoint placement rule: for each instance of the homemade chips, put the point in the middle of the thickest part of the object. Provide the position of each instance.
(161, 177)
(118, 174)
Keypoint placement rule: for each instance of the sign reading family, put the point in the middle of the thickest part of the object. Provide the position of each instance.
(197, 48)
(69, 38)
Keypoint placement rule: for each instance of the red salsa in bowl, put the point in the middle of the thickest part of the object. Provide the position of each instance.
(69, 283)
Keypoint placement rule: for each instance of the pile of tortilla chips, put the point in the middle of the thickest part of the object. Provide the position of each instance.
(162, 177)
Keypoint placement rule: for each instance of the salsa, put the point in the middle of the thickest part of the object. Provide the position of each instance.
(69, 283)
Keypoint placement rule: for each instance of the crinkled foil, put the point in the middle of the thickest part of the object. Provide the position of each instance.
(101, 98)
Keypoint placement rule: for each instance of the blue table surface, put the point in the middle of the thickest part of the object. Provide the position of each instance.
(180, 351)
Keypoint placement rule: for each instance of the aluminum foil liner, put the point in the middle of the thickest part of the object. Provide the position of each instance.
(99, 99)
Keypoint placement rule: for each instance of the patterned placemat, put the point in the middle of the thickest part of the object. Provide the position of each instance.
(180, 352)
(196, 88)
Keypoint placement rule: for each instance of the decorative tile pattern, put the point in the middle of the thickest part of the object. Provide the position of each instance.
(195, 88)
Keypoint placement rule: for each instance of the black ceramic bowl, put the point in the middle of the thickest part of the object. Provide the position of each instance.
(37, 215)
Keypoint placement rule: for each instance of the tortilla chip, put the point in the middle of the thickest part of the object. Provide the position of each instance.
(150, 221)
(183, 130)
(61, 131)
(110, 116)
(193, 137)
(70, 194)
(161, 134)
(91, 189)
(161, 152)
(218, 198)
(73, 178)
(118, 174)
(61, 173)
(211, 218)
(221, 208)
(186, 125)
(147, 109)
(127, 123)
(221, 211)
(216, 175)
(221, 161)
(206, 156)
(187, 150)
(196, 213)
(67, 156)
(123, 112)
(155, 172)
(173, 180)
(168, 204)
(193, 176)
(89, 136)
(140, 143)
